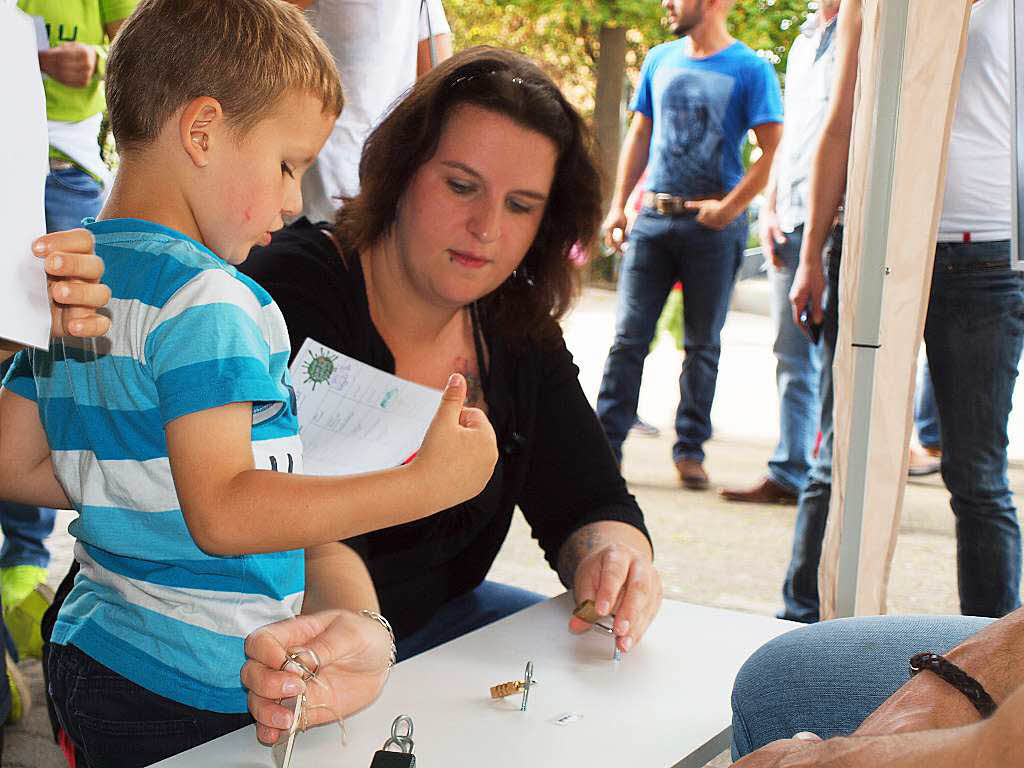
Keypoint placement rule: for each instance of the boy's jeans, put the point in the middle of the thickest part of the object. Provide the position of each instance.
(663, 250)
(973, 337)
(114, 723)
(794, 683)
(796, 375)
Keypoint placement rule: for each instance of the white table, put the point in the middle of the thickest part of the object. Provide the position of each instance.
(665, 704)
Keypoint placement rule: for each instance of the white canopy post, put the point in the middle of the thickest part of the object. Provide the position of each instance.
(911, 55)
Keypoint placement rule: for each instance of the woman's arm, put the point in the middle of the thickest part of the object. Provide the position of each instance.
(577, 504)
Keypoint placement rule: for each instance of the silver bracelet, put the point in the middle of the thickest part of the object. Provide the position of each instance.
(374, 616)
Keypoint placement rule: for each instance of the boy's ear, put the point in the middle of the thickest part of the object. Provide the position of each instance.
(201, 121)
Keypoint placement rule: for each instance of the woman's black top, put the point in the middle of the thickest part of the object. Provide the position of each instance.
(554, 461)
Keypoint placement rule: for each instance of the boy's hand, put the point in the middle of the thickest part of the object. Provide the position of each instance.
(72, 64)
(73, 272)
(459, 450)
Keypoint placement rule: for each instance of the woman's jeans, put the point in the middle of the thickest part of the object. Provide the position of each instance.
(828, 677)
(973, 337)
(663, 250)
(114, 723)
(477, 608)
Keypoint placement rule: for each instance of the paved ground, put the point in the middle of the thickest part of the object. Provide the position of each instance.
(709, 552)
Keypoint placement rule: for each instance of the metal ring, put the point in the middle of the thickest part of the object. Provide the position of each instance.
(402, 720)
(295, 657)
(404, 745)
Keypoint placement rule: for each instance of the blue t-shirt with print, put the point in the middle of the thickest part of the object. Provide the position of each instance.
(701, 111)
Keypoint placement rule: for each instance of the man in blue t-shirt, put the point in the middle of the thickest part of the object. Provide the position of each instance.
(696, 101)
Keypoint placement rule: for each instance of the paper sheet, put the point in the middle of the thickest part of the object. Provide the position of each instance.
(24, 305)
(353, 417)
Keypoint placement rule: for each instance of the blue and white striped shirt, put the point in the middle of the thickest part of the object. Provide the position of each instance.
(189, 333)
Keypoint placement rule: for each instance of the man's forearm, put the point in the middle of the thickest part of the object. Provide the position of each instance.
(755, 179)
(828, 183)
(592, 537)
(632, 161)
(992, 656)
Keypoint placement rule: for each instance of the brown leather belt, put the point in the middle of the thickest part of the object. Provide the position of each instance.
(666, 204)
(59, 164)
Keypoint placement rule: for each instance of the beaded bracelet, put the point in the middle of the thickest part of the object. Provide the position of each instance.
(956, 677)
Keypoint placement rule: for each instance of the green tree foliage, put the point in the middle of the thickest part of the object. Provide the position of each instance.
(562, 35)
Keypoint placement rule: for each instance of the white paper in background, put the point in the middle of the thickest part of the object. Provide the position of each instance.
(354, 417)
(24, 305)
(42, 39)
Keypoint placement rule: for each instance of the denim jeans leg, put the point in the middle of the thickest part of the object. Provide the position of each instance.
(708, 261)
(974, 335)
(800, 588)
(926, 413)
(71, 195)
(794, 683)
(649, 269)
(796, 375)
(477, 608)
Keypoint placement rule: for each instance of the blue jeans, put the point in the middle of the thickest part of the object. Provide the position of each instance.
(663, 250)
(827, 678)
(800, 588)
(973, 336)
(926, 412)
(796, 375)
(477, 608)
(71, 195)
(24, 527)
(114, 723)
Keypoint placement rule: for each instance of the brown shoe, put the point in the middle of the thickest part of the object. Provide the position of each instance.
(692, 474)
(924, 461)
(765, 492)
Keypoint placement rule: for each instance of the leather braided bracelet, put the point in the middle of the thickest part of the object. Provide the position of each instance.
(956, 677)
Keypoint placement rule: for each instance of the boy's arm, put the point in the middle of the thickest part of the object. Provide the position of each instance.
(231, 508)
(337, 577)
(26, 470)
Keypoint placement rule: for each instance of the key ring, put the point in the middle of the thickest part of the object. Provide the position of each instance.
(401, 740)
(295, 657)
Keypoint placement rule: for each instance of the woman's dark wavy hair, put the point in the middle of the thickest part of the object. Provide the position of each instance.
(529, 304)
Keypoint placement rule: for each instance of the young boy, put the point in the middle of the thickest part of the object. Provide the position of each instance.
(176, 437)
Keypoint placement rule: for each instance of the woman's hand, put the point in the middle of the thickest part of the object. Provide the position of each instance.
(622, 581)
(73, 273)
(354, 653)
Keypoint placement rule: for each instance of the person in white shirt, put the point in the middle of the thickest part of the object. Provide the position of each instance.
(809, 73)
(380, 47)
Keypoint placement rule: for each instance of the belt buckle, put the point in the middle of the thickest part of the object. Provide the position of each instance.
(663, 203)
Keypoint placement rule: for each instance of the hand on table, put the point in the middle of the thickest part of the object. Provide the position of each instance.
(73, 275)
(621, 581)
(72, 64)
(353, 651)
(712, 214)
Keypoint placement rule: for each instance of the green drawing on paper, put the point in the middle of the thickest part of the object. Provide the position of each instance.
(390, 395)
(319, 367)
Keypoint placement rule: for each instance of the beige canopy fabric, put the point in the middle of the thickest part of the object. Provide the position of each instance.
(888, 252)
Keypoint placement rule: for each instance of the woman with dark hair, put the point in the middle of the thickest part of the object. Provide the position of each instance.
(455, 257)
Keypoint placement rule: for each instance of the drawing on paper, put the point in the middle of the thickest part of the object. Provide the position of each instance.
(319, 367)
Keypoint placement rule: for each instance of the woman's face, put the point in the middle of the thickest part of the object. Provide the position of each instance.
(472, 210)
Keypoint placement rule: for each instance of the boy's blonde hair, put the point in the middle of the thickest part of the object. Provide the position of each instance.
(246, 54)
